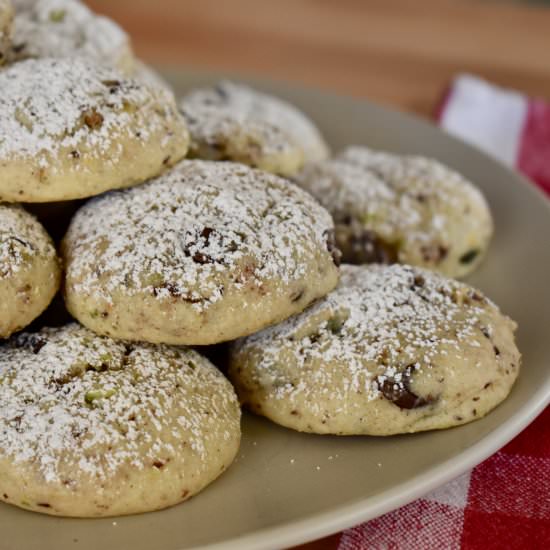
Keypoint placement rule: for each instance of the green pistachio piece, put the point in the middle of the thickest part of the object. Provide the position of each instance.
(93, 395)
(57, 16)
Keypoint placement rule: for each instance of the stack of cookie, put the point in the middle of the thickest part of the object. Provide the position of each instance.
(199, 237)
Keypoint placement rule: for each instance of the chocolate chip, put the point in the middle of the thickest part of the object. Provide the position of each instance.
(478, 297)
(367, 247)
(206, 232)
(418, 282)
(434, 253)
(158, 464)
(469, 256)
(200, 258)
(17, 422)
(315, 337)
(75, 154)
(232, 246)
(18, 48)
(37, 344)
(496, 350)
(400, 394)
(31, 341)
(93, 119)
(332, 248)
(44, 504)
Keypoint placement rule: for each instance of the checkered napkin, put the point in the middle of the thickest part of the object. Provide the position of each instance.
(504, 503)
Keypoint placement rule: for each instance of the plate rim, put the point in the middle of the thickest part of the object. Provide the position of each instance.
(321, 524)
(329, 522)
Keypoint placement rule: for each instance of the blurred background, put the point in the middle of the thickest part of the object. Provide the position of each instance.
(398, 52)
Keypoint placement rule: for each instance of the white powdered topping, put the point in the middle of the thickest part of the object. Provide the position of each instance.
(67, 28)
(75, 404)
(216, 113)
(22, 239)
(402, 198)
(194, 233)
(379, 322)
(72, 107)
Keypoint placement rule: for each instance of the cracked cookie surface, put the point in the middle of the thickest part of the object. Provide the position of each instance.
(208, 252)
(93, 427)
(393, 349)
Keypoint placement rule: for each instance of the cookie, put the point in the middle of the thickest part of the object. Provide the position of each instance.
(105, 428)
(6, 21)
(206, 253)
(29, 269)
(405, 209)
(234, 122)
(394, 349)
(67, 28)
(71, 129)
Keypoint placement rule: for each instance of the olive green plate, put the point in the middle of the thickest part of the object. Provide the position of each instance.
(285, 487)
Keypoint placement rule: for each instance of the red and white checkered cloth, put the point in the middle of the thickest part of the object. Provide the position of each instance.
(504, 503)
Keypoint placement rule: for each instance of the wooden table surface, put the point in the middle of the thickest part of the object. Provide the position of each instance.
(399, 52)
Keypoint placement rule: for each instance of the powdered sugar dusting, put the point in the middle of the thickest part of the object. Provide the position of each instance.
(413, 182)
(67, 28)
(50, 107)
(230, 108)
(22, 239)
(422, 210)
(379, 322)
(74, 403)
(192, 232)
